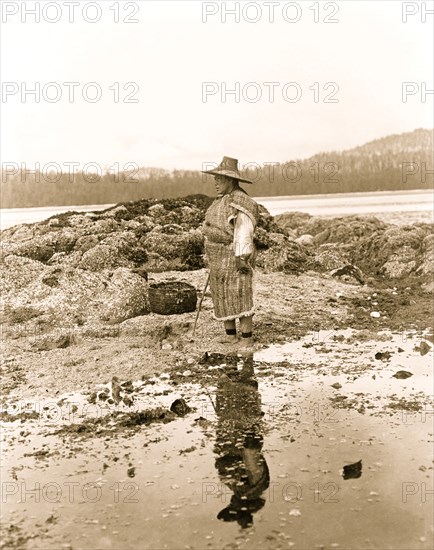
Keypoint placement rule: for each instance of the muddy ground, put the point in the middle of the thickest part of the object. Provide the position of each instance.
(94, 458)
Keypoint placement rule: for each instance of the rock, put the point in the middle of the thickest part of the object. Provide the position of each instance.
(292, 220)
(330, 256)
(86, 242)
(305, 240)
(375, 314)
(426, 266)
(127, 245)
(423, 348)
(52, 277)
(105, 226)
(393, 252)
(118, 212)
(350, 271)
(37, 249)
(180, 407)
(18, 272)
(383, 355)
(116, 390)
(180, 249)
(352, 471)
(166, 346)
(402, 374)
(102, 257)
(128, 401)
(52, 341)
(283, 255)
(126, 296)
(337, 386)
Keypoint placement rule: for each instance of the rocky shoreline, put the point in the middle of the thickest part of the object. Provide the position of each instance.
(93, 267)
(75, 280)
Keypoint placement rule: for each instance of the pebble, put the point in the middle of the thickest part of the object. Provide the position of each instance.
(186, 373)
(295, 512)
(375, 314)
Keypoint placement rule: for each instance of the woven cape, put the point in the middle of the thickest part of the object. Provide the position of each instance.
(232, 292)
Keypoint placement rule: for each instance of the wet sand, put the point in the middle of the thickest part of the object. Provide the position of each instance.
(326, 401)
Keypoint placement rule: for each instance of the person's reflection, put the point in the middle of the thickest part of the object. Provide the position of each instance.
(240, 463)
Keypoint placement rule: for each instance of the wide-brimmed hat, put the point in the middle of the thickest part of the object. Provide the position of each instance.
(228, 167)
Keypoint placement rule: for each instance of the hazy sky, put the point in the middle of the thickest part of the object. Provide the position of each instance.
(172, 51)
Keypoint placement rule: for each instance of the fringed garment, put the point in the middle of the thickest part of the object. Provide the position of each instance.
(232, 292)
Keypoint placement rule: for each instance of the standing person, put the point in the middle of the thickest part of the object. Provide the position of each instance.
(228, 229)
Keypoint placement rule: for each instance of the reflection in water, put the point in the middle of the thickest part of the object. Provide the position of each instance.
(240, 463)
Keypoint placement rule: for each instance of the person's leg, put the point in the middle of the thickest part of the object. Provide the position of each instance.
(246, 326)
(231, 332)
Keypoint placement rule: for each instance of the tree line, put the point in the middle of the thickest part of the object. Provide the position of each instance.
(366, 168)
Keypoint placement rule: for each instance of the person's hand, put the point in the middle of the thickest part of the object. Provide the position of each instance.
(242, 264)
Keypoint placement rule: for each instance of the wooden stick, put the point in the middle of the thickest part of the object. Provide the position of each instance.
(200, 303)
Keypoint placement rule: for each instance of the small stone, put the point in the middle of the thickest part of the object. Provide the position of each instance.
(375, 314)
(295, 512)
(186, 373)
(402, 374)
(424, 348)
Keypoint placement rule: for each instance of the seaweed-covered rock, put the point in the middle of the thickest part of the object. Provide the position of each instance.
(330, 256)
(267, 222)
(426, 266)
(283, 255)
(118, 212)
(18, 272)
(305, 240)
(101, 257)
(290, 221)
(126, 245)
(126, 296)
(393, 253)
(343, 229)
(182, 250)
(86, 242)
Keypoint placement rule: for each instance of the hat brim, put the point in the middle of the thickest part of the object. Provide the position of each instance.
(228, 173)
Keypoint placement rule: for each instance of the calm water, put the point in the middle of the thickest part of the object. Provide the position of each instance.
(258, 463)
(318, 205)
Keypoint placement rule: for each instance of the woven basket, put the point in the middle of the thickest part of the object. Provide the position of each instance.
(172, 297)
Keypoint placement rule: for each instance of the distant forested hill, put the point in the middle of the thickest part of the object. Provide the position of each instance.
(393, 162)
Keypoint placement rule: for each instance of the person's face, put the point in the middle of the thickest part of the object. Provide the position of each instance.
(223, 184)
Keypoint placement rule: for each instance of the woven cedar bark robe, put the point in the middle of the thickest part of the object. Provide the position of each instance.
(232, 292)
